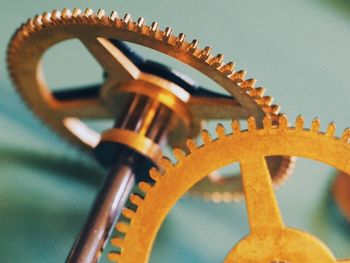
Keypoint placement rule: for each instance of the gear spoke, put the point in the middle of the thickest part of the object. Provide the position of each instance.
(86, 92)
(111, 58)
(263, 211)
(80, 103)
(84, 109)
(216, 108)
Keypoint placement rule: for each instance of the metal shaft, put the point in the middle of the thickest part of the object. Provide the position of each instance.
(149, 118)
(106, 209)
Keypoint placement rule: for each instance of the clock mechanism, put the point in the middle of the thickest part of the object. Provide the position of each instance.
(154, 106)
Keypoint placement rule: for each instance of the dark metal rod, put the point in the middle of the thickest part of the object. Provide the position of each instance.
(105, 211)
(149, 118)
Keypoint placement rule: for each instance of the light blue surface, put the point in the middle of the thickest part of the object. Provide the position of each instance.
(298, 50)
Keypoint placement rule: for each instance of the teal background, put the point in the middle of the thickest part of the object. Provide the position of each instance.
(298, 50)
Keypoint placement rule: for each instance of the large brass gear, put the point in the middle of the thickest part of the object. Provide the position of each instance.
(269, 239)
(94, 31)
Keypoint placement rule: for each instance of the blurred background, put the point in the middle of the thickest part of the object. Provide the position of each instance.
(298, 50)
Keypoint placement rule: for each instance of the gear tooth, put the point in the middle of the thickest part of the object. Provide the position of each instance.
(114, 15)
(227, 69)
(238, 76)
(66, 13)
(346, 135)
(273, 109)
(299, 123)
(257, 92)
(89, 17)
(266, 100)
(127, 20)
(236, 126)
(37, 21)
(205, 53)
(166, 163)
(128, 213)
(263, 101)
(216, 61)
(180, 40)
(153, 29)
(140, 23)
(179, 154)
(46, 17)
(248, 84)
(31, 27)
(122, 227)
(145, 187)
(106, 20)
(167, 34)
(100, 13)
(114, 256)
(117, 241)
(155, 174)
(315, 125)
(220, 130)
(251, 123)
(267, 122)
(76, 12)
(20, 36)
(331, 129)
(206, 136)
(55, 15)
(282, 121)
(193, 46)
(136, 199)
(88, 12)
(191, 145)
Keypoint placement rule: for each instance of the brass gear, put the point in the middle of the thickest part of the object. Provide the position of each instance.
(269, 240)
(38, 34)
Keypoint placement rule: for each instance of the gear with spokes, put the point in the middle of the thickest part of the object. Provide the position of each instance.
(65, 111)
(269, 239)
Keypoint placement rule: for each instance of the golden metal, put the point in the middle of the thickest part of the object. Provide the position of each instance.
(269, 239)
(94, 31)
(135, 141)
(341, 193)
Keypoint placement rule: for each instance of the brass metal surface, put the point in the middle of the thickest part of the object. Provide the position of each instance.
(269, 239)
(135, 141)
(94, 30)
